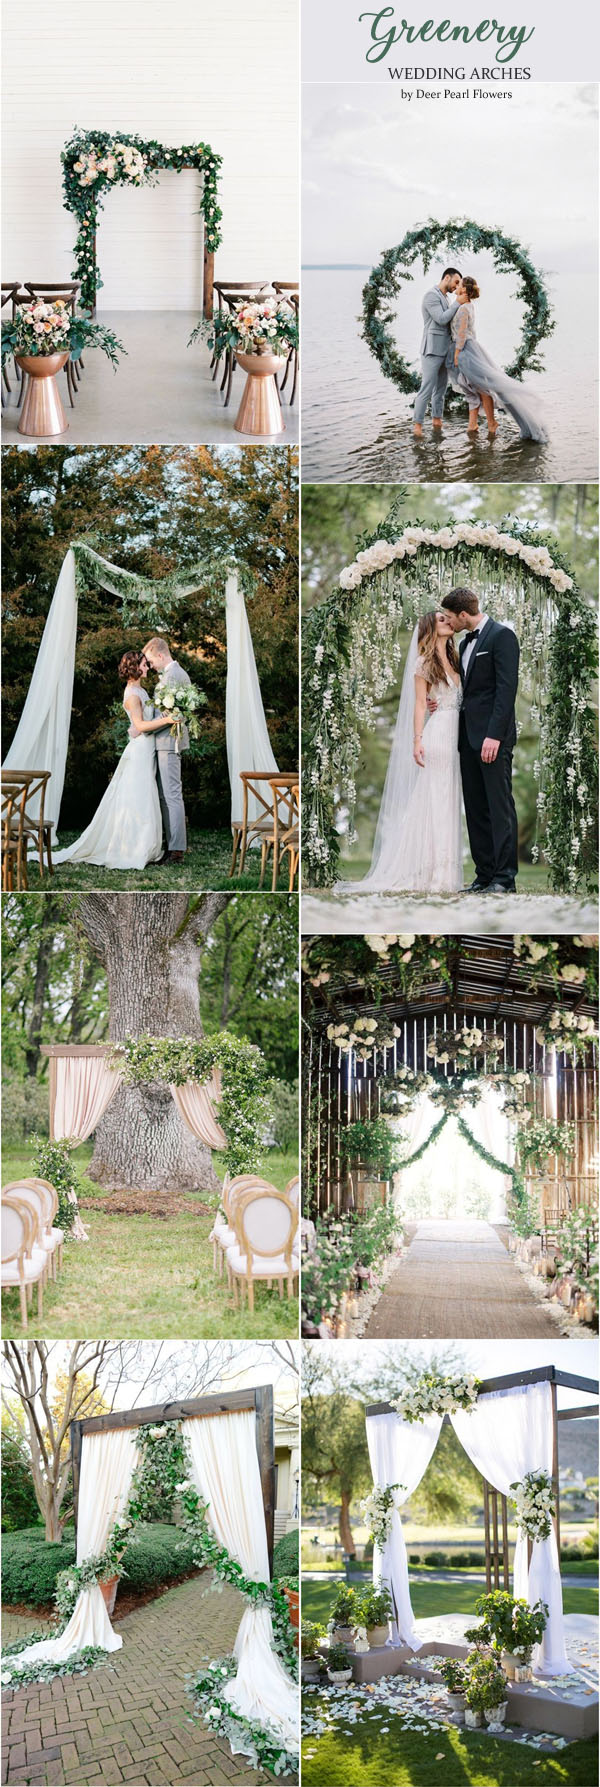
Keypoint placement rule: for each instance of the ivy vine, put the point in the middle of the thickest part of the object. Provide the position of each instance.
(424, 244)
(243, 1108)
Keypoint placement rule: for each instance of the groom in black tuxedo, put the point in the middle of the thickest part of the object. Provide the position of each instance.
(487, 734)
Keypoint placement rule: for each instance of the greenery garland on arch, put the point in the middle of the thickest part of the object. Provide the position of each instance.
(395, 266)
(353, 652)
(94, 161)
(163, 1471)
(153, 601)
(243, 1107)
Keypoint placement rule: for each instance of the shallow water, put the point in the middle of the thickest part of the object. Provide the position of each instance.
(357, 426)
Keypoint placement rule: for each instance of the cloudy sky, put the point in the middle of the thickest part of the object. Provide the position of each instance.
(374, 167)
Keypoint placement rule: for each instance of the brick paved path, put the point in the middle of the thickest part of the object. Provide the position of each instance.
(126, 1722)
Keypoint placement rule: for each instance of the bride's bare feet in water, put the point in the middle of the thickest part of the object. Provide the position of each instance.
(473, 427)
(490, 414)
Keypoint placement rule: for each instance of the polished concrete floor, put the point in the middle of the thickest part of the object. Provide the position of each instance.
(161, 392)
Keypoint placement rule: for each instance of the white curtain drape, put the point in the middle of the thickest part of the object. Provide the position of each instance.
(42, 735)
(413, 1128)
(399, 1452)
(248, 742)
(227, 1475)
(507, 1434)
(196, 1105)
(107, 1466)
(85, 1085)
(489, 1126)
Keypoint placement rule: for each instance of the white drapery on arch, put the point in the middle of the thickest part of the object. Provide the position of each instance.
(488, 1125)
(42, 735)
(505, 1434)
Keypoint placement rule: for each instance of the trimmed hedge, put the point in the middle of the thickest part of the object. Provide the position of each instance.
(159, 1553)
(286, 1555)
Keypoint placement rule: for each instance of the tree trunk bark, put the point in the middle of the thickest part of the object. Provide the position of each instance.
(54, 1525)
(150, 946)
(346, 1534)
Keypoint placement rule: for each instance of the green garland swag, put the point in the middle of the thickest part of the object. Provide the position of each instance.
(86, 200)
(163, 1464)
(353, 652)
(243, 1108)
(395, 266)
(153, 601)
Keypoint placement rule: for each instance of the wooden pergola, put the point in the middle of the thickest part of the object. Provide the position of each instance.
(490, 988)
(497, 1571)
(260, 1400)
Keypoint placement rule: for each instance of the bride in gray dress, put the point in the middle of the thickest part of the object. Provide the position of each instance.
(472, 371)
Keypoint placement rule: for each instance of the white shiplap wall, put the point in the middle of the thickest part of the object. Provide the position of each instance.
(218, 71)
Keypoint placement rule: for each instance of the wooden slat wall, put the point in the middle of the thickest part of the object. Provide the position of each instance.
(342, 1089)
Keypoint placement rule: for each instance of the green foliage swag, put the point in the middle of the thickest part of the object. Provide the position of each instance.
(154, 601)
(91, 147)
(352, 655)
(244, 1104)
(54, 1161)
(396, 264)
(162, 1468)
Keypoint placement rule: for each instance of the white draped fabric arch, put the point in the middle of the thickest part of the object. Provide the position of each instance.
(488, 1125)
(42, 735)
(107, 1465)
(505, 1434)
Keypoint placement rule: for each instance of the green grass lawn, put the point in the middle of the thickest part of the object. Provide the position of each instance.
(364, 1757)
(207, 865)
(146, 1277)
(431, 1598)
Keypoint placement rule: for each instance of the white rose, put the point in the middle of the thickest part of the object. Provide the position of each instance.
(351, 577)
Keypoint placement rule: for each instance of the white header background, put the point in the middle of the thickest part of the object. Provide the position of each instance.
(565, 45)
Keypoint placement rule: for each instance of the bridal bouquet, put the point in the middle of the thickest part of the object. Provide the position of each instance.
(179, 704)
(40, 328)
(264, 325)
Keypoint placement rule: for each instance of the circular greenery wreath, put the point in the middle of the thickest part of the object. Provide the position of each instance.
(96, 160)
(352, 653)
(423, 244)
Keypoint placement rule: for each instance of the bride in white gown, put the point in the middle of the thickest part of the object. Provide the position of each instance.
(126, 830)
(418, 841)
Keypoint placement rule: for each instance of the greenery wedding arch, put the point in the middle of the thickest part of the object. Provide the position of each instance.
(153, 601)
(94, 161)
(353, 651)
(396, 264)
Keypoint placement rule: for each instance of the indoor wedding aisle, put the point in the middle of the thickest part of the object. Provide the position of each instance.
(457, 1279)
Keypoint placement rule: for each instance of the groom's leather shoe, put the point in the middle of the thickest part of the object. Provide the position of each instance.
(501, 887)
(477, 886)
(177, 856)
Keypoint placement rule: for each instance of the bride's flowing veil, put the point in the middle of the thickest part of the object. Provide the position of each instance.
(400, 783)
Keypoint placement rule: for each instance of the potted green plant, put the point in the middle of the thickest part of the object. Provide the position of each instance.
(339, 1667)
(42, 336)
(485, 1694)
(290, 1587)
(511, 1627)
(310, 1638)
(455, 1678)
(371, 1144)
(374, 1610)
(343, 1614)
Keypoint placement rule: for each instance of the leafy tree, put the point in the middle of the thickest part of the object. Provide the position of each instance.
(152, 510)
(249, 980)
(19, 1503)
(335, 1459)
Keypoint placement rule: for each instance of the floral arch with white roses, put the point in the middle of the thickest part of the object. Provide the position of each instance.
(352, 655)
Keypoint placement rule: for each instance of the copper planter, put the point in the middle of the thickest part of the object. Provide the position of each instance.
(42, 412)
(108, 1590)
(260, 409)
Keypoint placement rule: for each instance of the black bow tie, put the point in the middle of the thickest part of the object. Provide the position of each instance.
(471, 637)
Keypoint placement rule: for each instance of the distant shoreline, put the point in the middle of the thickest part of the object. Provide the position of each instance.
(335, 267)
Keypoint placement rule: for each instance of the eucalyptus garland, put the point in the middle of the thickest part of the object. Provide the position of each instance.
(154, 601)
(354, 645)
(243, 1108)
(162, 1468)
(425, 244)
(94, 161)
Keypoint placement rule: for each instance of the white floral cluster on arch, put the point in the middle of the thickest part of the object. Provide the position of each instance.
(386, 552)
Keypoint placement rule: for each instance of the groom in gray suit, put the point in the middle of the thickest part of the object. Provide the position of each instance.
(168, 759)
(438, 310)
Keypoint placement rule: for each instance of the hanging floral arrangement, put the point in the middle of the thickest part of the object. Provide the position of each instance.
(434, 1394)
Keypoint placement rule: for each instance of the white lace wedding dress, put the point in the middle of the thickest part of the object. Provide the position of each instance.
(418, 842)
(126, 830)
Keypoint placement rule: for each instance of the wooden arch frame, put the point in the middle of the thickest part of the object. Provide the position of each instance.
(258, 1400)
(496, 1547)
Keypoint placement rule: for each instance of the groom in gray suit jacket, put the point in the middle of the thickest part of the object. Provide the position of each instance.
(438, 310)
(168, 759)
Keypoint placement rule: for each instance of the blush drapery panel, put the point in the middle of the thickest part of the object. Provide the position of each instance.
(399, 1452)
(196, 1105)
(227, 1476)
(85, 1085)
(506, 1434)
(107, 1465)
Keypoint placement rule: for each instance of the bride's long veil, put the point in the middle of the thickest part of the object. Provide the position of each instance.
(400, 783)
